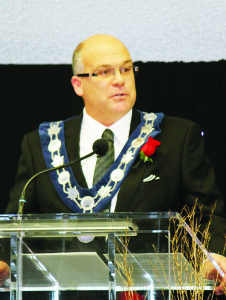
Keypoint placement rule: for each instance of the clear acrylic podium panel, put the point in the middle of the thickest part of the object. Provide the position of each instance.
(95, 254)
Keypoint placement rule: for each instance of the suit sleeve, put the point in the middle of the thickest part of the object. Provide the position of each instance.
(25, 172)
(198, 183)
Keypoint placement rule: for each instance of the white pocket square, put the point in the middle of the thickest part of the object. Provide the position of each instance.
(150, 178)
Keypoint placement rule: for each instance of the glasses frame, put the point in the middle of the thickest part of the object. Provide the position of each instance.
(135, 71)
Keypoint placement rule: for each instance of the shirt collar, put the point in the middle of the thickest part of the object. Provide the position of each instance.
(119, 128)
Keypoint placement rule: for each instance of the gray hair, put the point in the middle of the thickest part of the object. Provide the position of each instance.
(77, 64)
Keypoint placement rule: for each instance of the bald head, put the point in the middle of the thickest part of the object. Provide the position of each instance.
(96, 45)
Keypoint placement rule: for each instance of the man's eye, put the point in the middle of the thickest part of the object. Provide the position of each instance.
(104, 72)
(126, 70)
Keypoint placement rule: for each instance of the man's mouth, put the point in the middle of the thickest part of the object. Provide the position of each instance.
(119, 95)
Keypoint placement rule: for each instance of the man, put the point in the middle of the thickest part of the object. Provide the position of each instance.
(180, 172)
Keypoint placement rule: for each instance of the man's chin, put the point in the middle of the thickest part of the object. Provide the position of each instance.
(121, 108)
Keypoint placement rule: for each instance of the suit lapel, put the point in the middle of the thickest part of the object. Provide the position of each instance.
(130, 185)
(72, 137)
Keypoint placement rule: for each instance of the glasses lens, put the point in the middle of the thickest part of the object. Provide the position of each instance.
(105, 73)
(125, 71)
(135, 70)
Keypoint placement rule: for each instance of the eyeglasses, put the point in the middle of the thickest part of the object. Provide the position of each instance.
(109, 72)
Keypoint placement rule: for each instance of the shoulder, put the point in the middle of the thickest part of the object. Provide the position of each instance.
(177, 120)
(178, 132)
(168, 120)
(179, 125)
(69, 124)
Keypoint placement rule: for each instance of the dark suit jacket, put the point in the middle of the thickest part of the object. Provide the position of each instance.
(180, 162)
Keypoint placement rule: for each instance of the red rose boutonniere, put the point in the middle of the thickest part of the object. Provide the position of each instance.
(130, 296)
(147, 150)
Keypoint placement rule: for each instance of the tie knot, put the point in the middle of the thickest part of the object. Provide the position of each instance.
(108, 135)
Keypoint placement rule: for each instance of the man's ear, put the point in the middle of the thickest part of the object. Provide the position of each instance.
(77, 85)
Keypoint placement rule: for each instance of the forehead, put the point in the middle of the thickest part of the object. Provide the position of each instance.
(109, 53)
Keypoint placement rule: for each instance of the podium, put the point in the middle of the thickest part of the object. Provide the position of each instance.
(93, 254)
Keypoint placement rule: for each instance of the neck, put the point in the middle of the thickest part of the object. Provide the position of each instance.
(107, 121)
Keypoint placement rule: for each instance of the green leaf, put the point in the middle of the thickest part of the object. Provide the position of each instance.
(142, 156)
(146, 158)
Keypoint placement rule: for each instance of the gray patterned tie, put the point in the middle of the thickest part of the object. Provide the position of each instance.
(104, 162)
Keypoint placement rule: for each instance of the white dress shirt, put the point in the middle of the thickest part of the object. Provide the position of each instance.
(91, 130)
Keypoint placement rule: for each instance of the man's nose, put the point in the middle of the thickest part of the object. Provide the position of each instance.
(118, 77)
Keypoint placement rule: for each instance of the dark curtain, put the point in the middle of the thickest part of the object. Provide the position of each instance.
(31, 94)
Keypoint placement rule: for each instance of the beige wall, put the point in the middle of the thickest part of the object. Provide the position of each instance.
(47, 31)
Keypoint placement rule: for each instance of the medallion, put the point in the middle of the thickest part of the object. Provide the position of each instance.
(64, 177)
(87, 203)
(54, 145)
